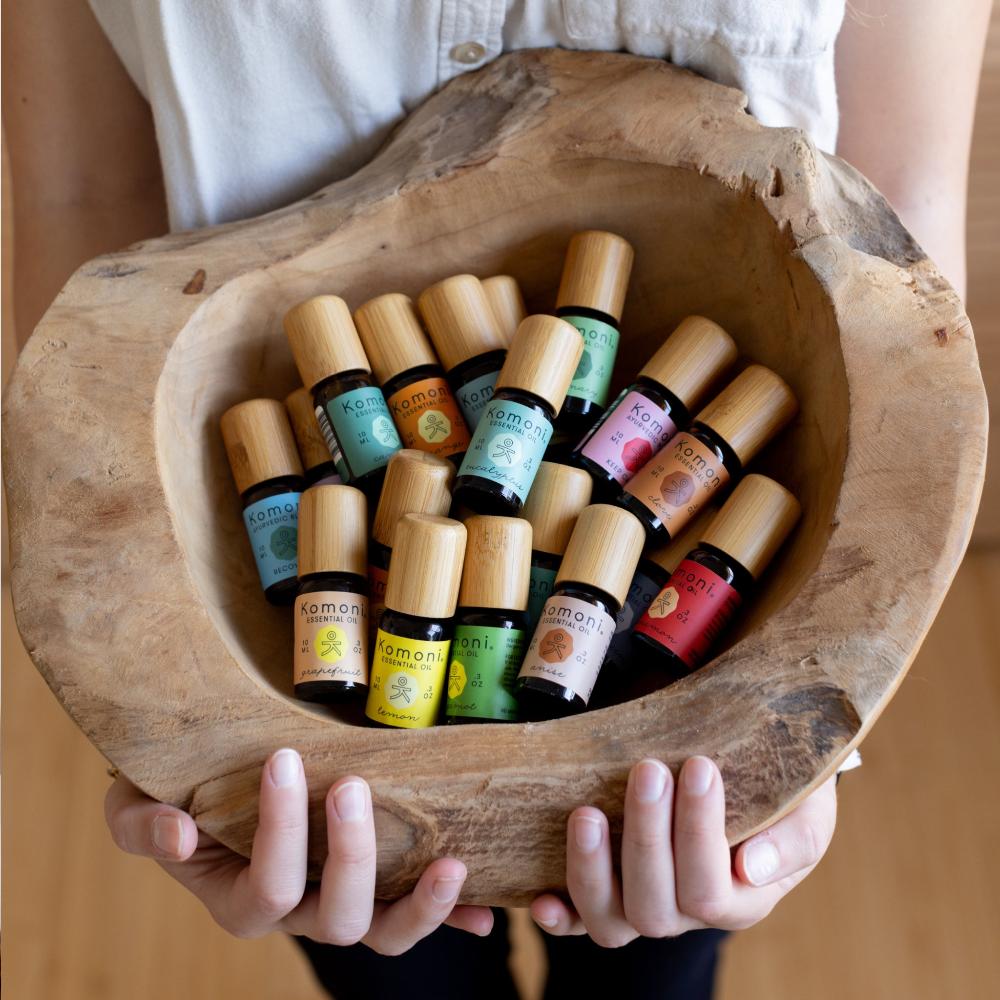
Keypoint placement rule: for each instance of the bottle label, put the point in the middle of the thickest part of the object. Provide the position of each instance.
(592, 377)
(508, 445)
(330, 438)
(569, 644)
(331, 637)
(407, 681)
(475, 396)
(364, 429)
(641, 592)
(484, 665)
(428, 419)
(377, 579)
(273, 527)
(633, 430)
(690, 612)
(679, 481)
(541, 582)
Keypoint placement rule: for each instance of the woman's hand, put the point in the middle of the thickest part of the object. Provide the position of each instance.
(269, 892)
(672, 884)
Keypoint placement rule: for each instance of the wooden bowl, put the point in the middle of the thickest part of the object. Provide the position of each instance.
(134, 586)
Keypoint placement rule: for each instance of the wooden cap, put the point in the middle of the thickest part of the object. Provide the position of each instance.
(596, 272)
(426, 566)
(416, 482)
(308, 436)
(750, 410)
(557, 496)
(333, 531)
(753, 522)
(691, 359)
(670, 556)
(497, 569)
(604, 550)
(392, 336)
(259, 442)
(542, 358)
(460, 320)
(505, 299)
(323, 339)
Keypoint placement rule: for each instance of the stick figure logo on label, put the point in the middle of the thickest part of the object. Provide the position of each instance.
(434, 426)
(555, 646)
(677, 488)
(505, 450)
(636, 453)
(384, 431)
(663, 604)
(329, 644)
(457, 679)
(284, 543)
(402, 688)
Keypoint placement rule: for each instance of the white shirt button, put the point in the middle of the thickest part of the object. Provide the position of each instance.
(468, 53)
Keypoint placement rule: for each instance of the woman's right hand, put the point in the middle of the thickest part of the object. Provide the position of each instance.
(269, 892)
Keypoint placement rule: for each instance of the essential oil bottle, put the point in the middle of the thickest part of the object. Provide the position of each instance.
(578, 621)
(330, 661)
(696, 465)
(705, 591)
(591, 297)
(468, 339)
(350, 408)
(647, 414)
(414, 637)
(315, 455)
(510, 439)
(268, 475)
(415, 483)
(557, 496)
(507, 303)
(490, 626)
(420, 400)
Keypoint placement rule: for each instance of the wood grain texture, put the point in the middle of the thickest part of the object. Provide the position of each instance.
(133, 584)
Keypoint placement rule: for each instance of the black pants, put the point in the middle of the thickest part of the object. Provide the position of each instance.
(454, 965)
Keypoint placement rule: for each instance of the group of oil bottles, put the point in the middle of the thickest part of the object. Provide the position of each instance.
(489, 583)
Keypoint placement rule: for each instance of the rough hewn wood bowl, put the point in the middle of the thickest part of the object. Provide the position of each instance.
(134, 588)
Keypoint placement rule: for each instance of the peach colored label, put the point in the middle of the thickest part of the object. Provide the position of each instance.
(331, 637)
(428, 418)
(569, 644)
(678, 481)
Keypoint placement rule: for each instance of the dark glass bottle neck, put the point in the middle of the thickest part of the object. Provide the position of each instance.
(273, 487)
(491, 618)
(705, 434)
(589, 313)
(654, 571)
(414, 627)
(341, 382)
(411, 375)
(723, 565)
(526, 398)
(351, 583)
(479, 364)
(547, 560)
(664, 399)
(378, 554)
(589, 593)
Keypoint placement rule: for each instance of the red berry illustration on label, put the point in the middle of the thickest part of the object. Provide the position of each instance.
(555, 646)
(636, 453)
(663, 603)
(677, 488)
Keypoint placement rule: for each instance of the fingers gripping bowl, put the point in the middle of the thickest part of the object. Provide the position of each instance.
(132, 586)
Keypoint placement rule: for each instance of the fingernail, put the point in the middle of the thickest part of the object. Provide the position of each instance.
(760, 861)
(546, 923)
(445, 890)
(650, 781)
(168, 835)
(349, 801)
(286, 768)
(698, 775)
(588, 833)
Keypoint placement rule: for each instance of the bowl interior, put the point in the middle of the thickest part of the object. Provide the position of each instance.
(701, 247)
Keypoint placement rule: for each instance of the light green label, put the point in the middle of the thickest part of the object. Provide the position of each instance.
(542, 581)
(364, 430)
(475, 396)
(592, 377)
(508, 445)
(484, 666)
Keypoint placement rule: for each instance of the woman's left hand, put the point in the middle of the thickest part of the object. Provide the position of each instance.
(675, 883)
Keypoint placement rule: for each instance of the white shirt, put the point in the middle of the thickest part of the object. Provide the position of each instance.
(260, 102)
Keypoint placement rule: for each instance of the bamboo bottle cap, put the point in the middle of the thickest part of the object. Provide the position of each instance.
(259, 442)
(671, 555)
(542, 359)
(308, 436)
(754, 522)
(497, 570)
(750, 410)
(323, 339)
(416, 482)
(507, 303)
(392, 336)
(604, 550)
(460, 320)
(691, 359)
(596, 272)
(426, 566)
(557, 496)
(333, 531)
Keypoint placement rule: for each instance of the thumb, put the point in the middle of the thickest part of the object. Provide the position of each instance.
(141, 825)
